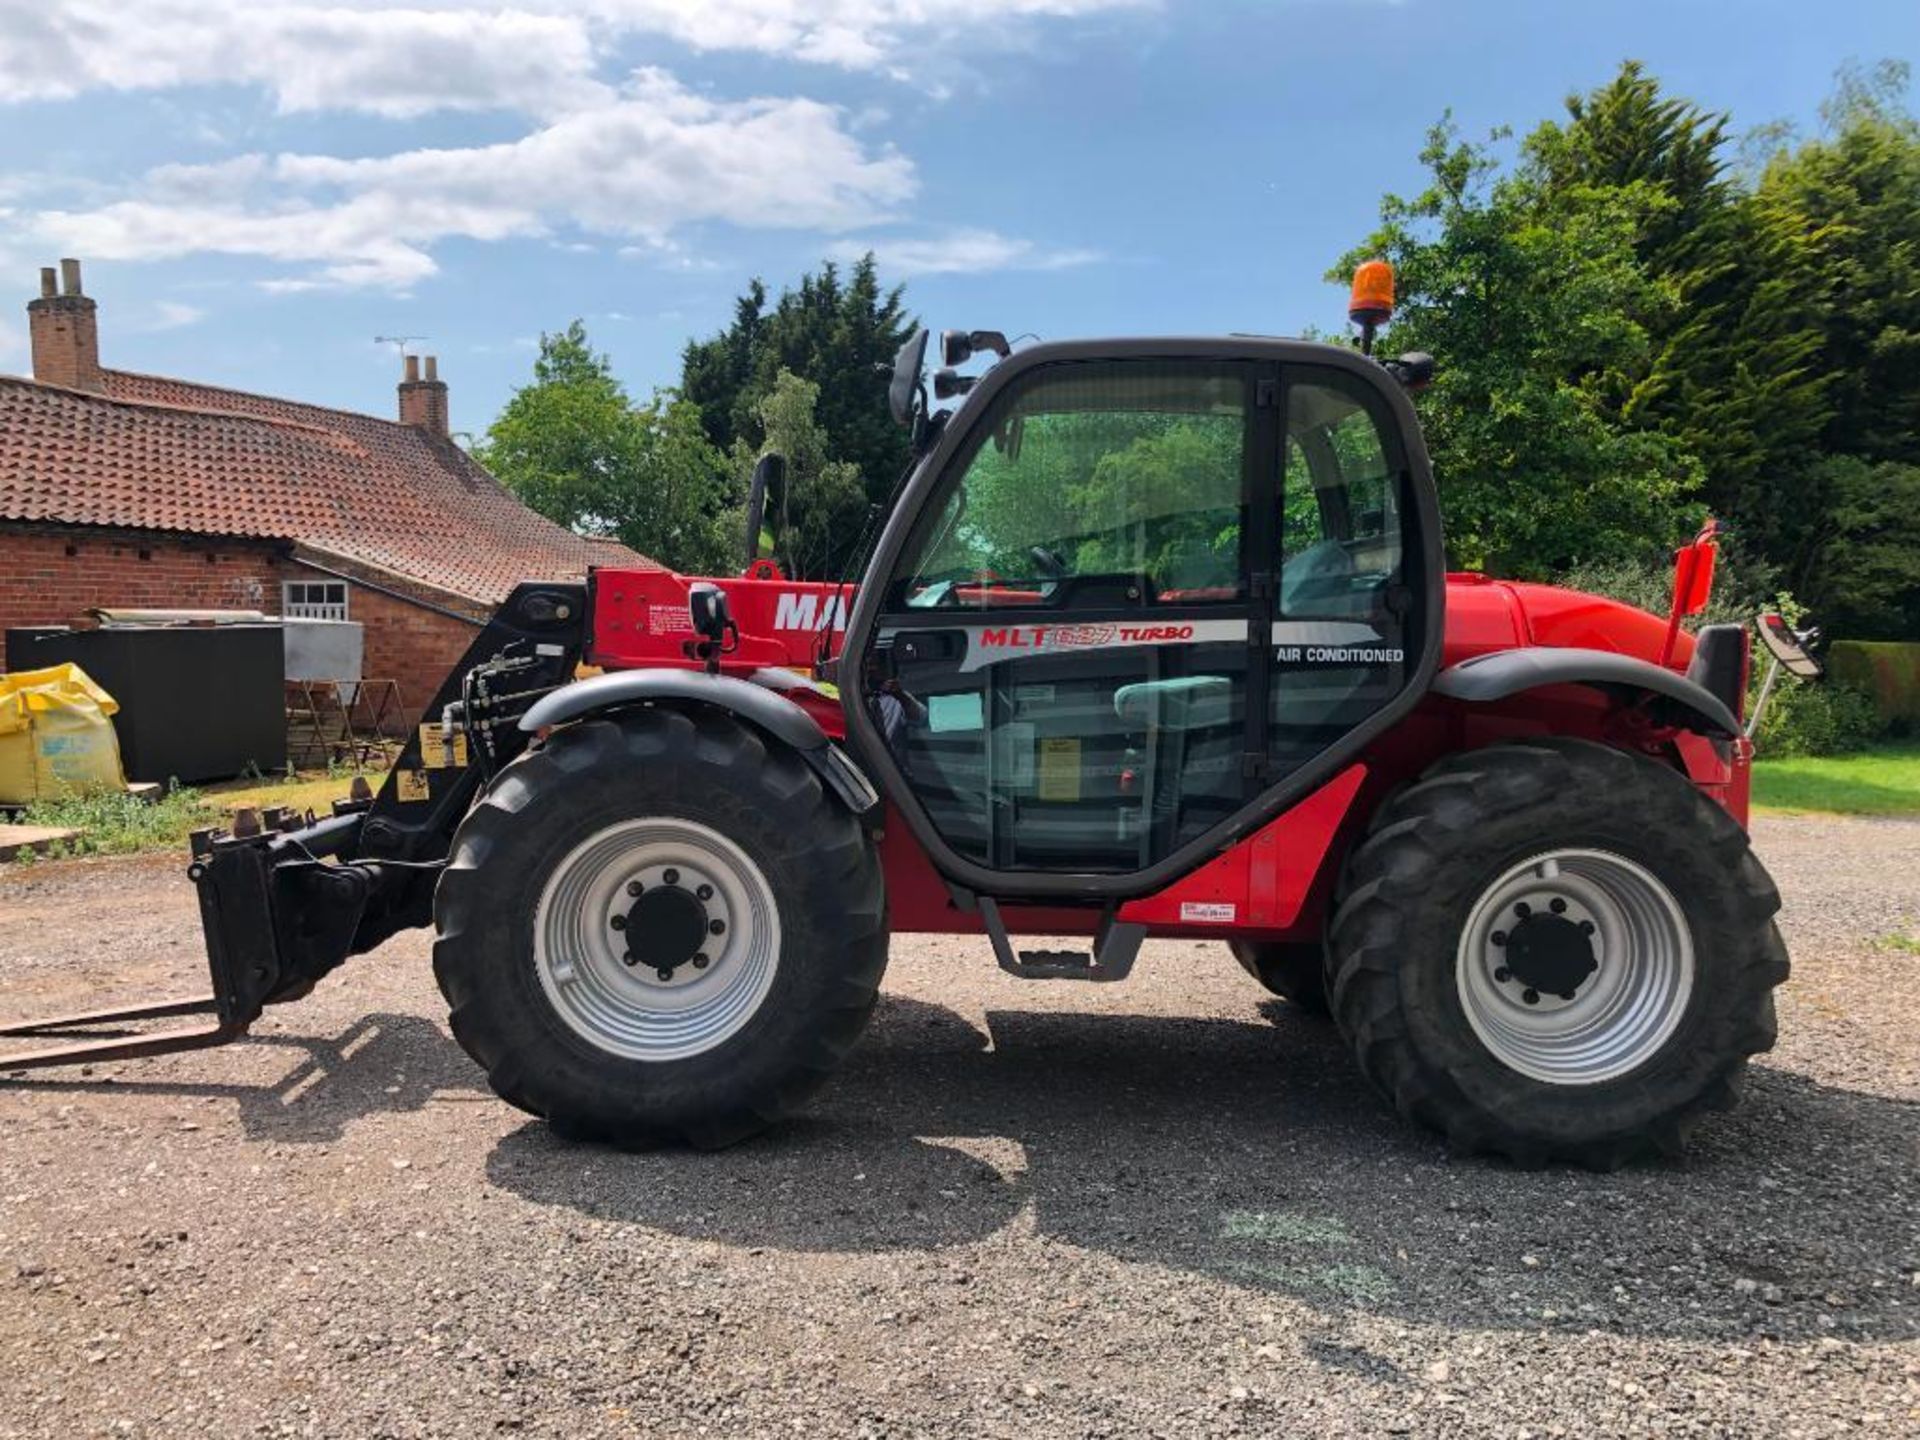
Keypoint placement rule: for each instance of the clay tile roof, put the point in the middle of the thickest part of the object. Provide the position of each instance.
(160, 454)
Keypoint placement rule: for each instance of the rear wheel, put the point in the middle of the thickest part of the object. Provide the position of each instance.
(634, 949)
(1293, 970)
(1555, 950)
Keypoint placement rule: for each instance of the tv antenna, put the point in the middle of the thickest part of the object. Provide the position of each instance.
(399, 342)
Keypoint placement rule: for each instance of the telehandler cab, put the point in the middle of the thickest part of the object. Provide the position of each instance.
(1155, 640)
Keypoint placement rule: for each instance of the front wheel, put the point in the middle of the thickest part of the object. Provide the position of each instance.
(659, 928)
(1555, 950)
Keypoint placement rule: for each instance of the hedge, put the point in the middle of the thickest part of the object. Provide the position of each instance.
(1888, 672)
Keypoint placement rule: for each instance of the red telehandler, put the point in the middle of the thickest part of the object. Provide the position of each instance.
(1155, 639)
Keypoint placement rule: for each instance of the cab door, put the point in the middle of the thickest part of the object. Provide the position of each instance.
(1066, 671)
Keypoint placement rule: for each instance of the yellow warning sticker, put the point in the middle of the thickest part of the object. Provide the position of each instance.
(441, 751)
(411, 785)
(1059, 768)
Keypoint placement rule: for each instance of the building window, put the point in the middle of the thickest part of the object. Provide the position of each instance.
(313, 599)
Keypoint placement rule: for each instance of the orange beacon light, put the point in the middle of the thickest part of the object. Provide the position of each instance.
(1371, 305)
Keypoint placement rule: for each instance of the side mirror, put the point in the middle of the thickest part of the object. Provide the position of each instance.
(766, 498)
(903, 392)
(1789, 646)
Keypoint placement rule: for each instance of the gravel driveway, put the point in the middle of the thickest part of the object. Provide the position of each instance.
(1162, 1208)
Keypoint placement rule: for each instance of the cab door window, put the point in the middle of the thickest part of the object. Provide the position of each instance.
(1341, 622)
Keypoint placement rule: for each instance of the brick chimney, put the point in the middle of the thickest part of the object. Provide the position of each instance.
(66, 336)
(423, 401)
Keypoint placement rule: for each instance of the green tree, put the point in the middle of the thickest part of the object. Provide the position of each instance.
(1864, 571)
(1731, 368)
(575, 448)
(1852, 198)
(839, 332)
(1544, 320)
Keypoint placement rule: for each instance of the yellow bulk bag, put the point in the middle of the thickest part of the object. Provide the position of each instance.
(55, 737)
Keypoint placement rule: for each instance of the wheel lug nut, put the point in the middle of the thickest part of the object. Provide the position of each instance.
(634, 887)
(626, 958)
(1523, 910)
(700, 962)
(1568, 994)
(717, 927)
(1499, 937)
(618, 922)
(1586, 927)
(664, 973)
(672, 877)
(705, 892)
(1503, 974)
(1530, 995)
(1559, 907)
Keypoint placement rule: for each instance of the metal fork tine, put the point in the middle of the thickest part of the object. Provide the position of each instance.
(96, 1019)
(131, 1047)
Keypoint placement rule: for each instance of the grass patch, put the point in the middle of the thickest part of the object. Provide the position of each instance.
(1885, 781)
(309, 790)
(120, 824)
(1905, 944)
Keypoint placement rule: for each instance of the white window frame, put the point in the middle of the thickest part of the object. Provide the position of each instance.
(313, 599)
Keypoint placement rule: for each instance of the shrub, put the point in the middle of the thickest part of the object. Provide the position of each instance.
(1887, 672)
(1822, 717)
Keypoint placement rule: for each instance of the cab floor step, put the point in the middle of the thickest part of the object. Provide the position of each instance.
(1115, 948)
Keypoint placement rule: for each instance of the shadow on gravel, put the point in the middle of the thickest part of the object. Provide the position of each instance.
(1251, 1152)
(381, 1064)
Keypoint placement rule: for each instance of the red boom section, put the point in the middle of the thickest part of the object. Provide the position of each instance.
(1278, 882)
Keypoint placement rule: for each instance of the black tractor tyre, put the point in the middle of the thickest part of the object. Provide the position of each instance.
(1293, 970)
(1443, 845)
(670, 767)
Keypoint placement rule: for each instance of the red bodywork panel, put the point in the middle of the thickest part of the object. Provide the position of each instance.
(1278, 882)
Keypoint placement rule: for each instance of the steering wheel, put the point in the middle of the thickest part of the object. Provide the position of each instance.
(1052, 567)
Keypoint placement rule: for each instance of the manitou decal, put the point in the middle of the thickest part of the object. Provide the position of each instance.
(806, 609)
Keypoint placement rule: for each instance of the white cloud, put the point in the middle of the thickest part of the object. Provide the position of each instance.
(10, 342)
(536, 56)
(396, 62)
(963, 251)
(631, 162)
(658, 158)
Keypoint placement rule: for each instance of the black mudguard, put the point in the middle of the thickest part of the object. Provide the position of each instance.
(1509, 672)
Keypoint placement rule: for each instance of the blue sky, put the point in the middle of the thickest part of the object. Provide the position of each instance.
(260, 188)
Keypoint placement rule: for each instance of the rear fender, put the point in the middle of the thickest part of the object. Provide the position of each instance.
(1674, 699)
(766, 710)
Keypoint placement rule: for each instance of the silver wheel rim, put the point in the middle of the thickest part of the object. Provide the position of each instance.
(1621, 1013)
(630, 1009)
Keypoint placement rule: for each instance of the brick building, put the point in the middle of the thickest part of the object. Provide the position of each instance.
(120, 490)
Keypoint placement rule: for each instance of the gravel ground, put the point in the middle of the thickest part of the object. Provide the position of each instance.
(1162, 1208)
